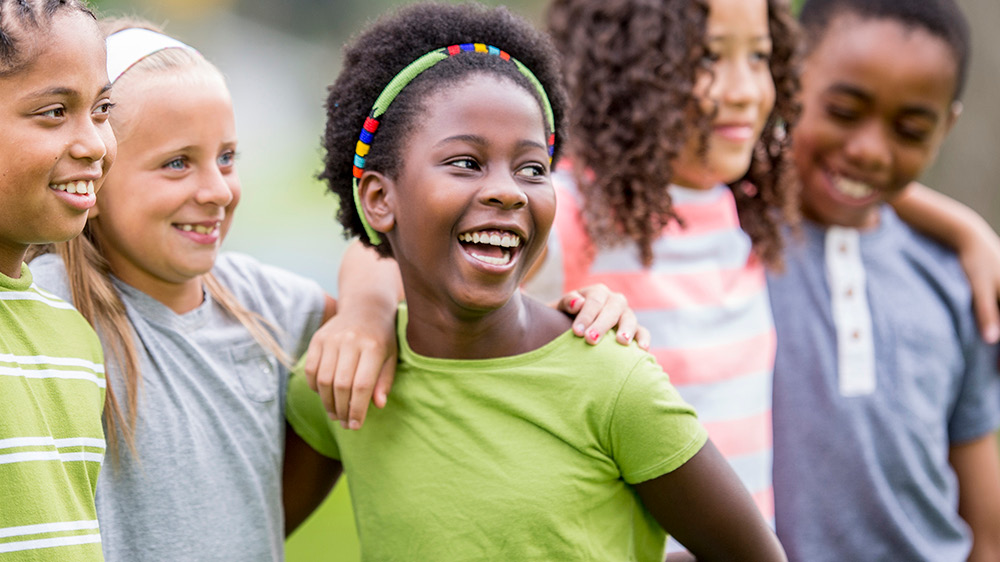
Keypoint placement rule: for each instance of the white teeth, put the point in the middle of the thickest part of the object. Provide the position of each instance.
(77, 187)
(506, 241)
(502, 260)
(851, 188)
(200, 229)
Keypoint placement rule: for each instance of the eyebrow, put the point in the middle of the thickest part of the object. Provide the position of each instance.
(848, 89)
(481, 141)
(63, 91)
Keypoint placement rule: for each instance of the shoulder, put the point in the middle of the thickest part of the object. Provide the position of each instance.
(49, 273)
(244, 275)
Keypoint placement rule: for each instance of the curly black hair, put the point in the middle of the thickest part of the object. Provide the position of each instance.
(941, 18)
(373, 58)
(630, 68)
(21, 17)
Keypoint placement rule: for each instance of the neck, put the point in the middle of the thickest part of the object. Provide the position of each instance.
(179, 297)
(521, 325)
(11, 258)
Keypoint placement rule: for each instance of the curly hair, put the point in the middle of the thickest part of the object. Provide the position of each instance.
(373, 58)
(631, 67)
(19, 18)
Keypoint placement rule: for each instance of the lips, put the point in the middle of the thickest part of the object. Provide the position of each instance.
(496, 247)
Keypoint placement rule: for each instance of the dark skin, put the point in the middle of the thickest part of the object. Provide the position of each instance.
(306, 479)
(722, 522)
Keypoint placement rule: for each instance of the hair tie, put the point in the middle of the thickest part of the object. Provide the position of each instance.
(129, 46)
(400, 81)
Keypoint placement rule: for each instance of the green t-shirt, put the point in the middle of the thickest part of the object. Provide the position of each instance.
(522, 458)
(51, 440)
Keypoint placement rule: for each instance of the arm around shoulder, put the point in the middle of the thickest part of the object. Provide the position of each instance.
(977, 466)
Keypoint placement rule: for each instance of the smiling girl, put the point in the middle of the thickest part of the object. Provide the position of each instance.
(507, 437)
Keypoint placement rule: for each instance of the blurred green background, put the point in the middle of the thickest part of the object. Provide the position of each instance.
(279, 57)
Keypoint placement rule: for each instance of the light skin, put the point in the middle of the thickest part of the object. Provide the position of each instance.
(877, 103)
(735, 85)
(54, 117)
(477, 162)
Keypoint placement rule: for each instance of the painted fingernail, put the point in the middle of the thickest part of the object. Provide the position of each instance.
(574, 302)
(625, 336)
(593, 336)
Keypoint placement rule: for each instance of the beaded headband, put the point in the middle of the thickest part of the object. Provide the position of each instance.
(129, 46)
(406, 76)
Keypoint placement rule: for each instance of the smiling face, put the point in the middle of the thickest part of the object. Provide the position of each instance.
(877, 103)
(473, 202)
(169, 200)
(56, 143)
(736, 86)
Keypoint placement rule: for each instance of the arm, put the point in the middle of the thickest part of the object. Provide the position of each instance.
(977, 466)
(706, 508)
(978, 246)
(306, 480)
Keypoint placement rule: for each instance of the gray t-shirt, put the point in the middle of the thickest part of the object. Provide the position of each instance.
(861, 471)
(206, 485)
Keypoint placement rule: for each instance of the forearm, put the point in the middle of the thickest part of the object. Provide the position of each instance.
(368, 280)
(939, 216)
(977, 466)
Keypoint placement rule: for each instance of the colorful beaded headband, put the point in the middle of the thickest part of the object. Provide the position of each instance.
(406, 76)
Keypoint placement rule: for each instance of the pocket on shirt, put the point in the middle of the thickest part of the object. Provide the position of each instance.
(257, 371)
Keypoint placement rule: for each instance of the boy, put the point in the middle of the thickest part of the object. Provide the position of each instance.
(885, 397)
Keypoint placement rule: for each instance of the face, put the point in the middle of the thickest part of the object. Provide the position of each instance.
(736, 87)
(473, 202)
(877, 103)
(169, 200)
(57, 142)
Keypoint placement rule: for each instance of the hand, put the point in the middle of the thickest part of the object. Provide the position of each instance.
(980, 257)
(598, 309)
(351, 361)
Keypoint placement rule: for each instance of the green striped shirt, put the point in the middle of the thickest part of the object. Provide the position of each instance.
(51, 439)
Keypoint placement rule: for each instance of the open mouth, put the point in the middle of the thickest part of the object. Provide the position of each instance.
(75, 187)
(852, 188)
(199, 228)
(494, 247)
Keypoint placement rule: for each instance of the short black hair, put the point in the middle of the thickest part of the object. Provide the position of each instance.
(941, 18)
(373, 58)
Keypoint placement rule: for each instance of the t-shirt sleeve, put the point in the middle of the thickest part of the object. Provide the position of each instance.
(653, 431)
(305, 413)
(977, 408)
(294, 303)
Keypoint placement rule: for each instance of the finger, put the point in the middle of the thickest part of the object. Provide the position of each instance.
(571, 302)
(313, 354)
(384, 383)
(984, 302)
(325, 372)
(643, 338)
(627, 326)
(607, 318)
(343, 382)
(364, 384)
(583, 324)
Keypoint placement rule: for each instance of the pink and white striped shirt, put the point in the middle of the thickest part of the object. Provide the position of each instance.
(704, 300)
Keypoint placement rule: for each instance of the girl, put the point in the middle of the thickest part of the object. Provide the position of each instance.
(55, 151)
(198, 341)
(549, 449)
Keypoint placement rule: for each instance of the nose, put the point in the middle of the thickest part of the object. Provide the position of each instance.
(737, 84)
(91, 142)
(868, 147)
(502, 191)
(216, 187)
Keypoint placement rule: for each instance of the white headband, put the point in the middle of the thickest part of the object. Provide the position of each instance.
(129, 46)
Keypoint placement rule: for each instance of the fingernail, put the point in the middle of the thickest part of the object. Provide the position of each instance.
(343, 424)
(593, 336)
(574, 302)
(625, 336)
(355, 424)
(992, 334)
(578, 329)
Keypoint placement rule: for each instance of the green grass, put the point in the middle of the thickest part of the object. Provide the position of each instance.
(328, 535)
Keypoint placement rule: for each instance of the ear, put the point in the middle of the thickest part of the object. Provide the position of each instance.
(378, 197)
(953, 114)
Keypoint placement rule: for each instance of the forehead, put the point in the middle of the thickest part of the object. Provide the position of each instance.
(64, 52)
(161, 107)
(737, 17)
(883, 55)
(483, 101)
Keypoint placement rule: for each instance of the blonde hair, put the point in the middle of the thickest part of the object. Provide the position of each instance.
(95, 296)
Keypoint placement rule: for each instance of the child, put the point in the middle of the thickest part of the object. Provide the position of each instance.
(197, 386)
(506, 437)
(885, 399)
(55, 150)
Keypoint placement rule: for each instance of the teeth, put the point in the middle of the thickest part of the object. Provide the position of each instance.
(502, 260)
(853, 188)
(76, 187)
(506, 240)
(200, 229)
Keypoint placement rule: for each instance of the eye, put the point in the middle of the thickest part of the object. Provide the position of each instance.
(913, 132)
(227, 159)
(103, 109)
(533, 170)
(176, 164)
(842, 112)
(761, 56)
(709, 59)
(54, 113)
(464, 163)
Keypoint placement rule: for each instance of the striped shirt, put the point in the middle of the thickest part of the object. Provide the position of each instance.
(704, 300)
(51, 439)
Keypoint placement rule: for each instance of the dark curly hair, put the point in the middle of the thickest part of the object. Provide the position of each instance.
(630, 68)
(373, 58)
(19, 18)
